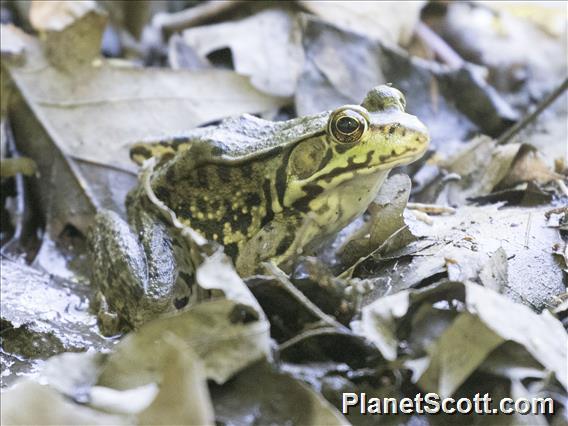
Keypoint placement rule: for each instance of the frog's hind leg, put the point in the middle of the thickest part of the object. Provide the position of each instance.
(136, 273)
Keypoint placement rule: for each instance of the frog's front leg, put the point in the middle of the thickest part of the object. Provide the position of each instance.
(280, 240)
(135, 273)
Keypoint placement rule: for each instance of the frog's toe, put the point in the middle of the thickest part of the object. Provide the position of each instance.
(108, 321)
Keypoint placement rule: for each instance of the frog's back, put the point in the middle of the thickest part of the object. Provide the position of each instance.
(220, 181)
(234, 139)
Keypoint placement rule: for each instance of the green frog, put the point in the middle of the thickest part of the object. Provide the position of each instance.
(264, 190)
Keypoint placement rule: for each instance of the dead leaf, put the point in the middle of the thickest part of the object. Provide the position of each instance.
(225, 342)
(97, 111)
(251, 396)
(29, 402)
(494, 273)
(183, 397)
(266, 47)
(385, 219)
(389, 22)
(499, 40)
(431, 90)
(529, 166)
(71, 31)
(484, 320)
(482, 165)
(69, 383)
(34, 330)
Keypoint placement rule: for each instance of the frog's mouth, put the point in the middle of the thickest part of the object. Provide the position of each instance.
(406, 156)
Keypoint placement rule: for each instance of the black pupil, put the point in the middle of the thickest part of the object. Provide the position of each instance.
(347, 125)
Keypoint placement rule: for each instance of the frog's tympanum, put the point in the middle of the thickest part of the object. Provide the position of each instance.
(264, 190)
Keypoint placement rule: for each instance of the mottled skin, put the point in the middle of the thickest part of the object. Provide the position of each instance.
(264, 190)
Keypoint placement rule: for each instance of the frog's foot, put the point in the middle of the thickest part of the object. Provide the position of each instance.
(136, 273)
(109, 322)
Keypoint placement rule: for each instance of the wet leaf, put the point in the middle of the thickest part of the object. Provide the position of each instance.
(29, 402)
(69, 384)
(183, 397)
(218, 273)
(33, 330)
(270, 397)
(12, 47)
(483, 321)
(224, 342)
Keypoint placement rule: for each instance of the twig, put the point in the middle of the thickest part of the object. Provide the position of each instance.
(197, 15)
(309, 333)
(438, 45)
(422, 217)
(562, 186)
(347, 272)
(431, 208)
(528, 231)
(520, 125)
(299, 296)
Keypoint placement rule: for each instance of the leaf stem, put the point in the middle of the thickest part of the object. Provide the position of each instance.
(520, 125)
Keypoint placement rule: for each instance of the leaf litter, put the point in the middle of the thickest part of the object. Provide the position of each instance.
(458, 290)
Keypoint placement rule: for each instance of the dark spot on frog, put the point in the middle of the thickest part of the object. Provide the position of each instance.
(224, 173)
(284, 244)
(323, 209)
(311, 190)
(268, 203)
(181, 302)
(252, 199)
(243, 314)
(188, 279)
(351, 165)
(201, 205)
(228, 216)
(162, 193)
(326, 158)
(140, 150)
(201, 177)
(179, 140)
(246, 170)
(215, 204)
(216, 151)
(231, 250)
(171, 175)
(280, 182)
(243, 223)
(344, 147)
(165, 158)
(392, 129)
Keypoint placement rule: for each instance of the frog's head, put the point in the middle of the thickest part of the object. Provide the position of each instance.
(360, 140)
(378, 134)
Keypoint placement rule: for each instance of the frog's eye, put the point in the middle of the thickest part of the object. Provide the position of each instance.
(348, 124)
